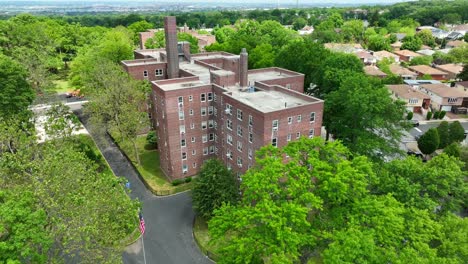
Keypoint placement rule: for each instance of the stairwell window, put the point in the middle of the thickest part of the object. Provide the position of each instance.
(274, 142)
(299, 118)
(145, 74)
(158, 72)
(312, 117)
(184, 155)
(275, 125)
(311, 133)
(183, 143)
(290, 120)
(210, 96)
(203, 97)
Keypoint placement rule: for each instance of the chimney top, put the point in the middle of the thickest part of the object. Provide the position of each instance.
(243, 50)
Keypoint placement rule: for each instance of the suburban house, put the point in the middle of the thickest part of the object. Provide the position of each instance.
(443, 97)
(403, 72)
(454, 44)
(435, 74)
(373, 71)
(416, 101)
(307, 30)
(396, 46)
(462, 29)
(426, 52)
(383, 54)
(344, 47)
(366, 57)
(451, 69)
(463, 86)
(406, 55)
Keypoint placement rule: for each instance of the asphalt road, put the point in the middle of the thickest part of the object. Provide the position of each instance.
(168, 237)
(421, 129)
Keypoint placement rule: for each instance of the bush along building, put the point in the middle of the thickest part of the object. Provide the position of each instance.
(209, 105)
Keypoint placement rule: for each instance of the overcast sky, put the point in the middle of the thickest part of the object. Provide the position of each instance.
(230, 1)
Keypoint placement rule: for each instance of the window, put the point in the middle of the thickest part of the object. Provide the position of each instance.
(228, 109)
(250, 153)
(239, 130)
(312, 117)
(239, 146)
(203, 125)
(229, 124)
(215, 125)
(203, 97)
(145, 74)
(194, 165)
(183, 143)
(290, 120)
(239, 162)
(193, 139)
(205, 151)
(192, 126)
(184, 168)
(413, 101)
(299, 118)
(204, 138)
(184, 155)
(180, 99)
(289, 137)
(229, 139)
(275, 125)
(311, 133)
(194, 152)
(210, 96)
(190, 98)
(274, 142)
(216, 112)
(215, 97)
(182, 129)
(212, 149)
(229, 154)
(210, 110)
(191, 111)
(298, 134)
(452, 100)
(250, 120)
(250, 137)
(211, 137)
(158, 72)
(181, 114)
(239, 114)
(210, 123)
(203, 111)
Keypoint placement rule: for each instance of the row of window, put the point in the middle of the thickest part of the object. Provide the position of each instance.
(157, 72)
(205, 138)
(240, 115)
(204, 125)
(206, 151)
(229, 155)
(298, 119)
(274, 141)
(203, 97)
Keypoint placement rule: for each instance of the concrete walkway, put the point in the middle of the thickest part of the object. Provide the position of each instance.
(168, 237)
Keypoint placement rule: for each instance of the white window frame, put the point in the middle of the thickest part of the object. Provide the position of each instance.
(193, 139)
(145, 74)
(190, 98)
(203, 111)
(210, 97)
(275, 125)
(239, 114)
(311, 133)
(183, 143)
(289, 137)
(239, 146)
(184, 155)
(158, 72)
(312, 117)
(290, 119)
(202, 97)
(239, 130)
(298, 135)
(204, 125)
(229, 139)
(274, 142)
(204, 138)
(299, 118)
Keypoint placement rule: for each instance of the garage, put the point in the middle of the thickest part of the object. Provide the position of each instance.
(446, 108)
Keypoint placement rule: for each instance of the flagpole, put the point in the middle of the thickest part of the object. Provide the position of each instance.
(143, 243)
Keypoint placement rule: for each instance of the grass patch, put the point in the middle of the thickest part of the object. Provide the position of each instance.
(150, 168)
(202, 237)
(62, 86)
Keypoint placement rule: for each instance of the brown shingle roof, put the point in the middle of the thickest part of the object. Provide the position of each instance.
(455, 43)
(443, 90)
(407, 53)
(405, 91)
(451, 68)
(399, 70)
(385, 54)
(374, 71)
(424, 69)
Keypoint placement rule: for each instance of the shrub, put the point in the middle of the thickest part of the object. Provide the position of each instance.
(151, 140)
(177, 182)
(453, 150)
(441, 114)
(409, 116)
(436, 114)
(188, 179)
(444, 135)
(429, 116)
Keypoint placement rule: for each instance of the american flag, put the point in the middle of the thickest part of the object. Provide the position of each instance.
(142, 224)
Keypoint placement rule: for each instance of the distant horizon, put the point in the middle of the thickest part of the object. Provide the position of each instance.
(290, 2)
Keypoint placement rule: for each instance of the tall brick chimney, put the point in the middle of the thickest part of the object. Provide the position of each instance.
(170, 31)
(244, 67)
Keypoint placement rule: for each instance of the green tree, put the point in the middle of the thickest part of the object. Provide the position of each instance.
(262, 56)
(214, 186)
(378, 43)
(363, 116)
(60, 122)
(457, 132)
(453, 150)
(409, 116)
(429, 141)
(444, 134)
(157, 41)
(463, 75)
(421, 60)
(137, 27)
(299, 23)
(15, 92)
(411, 43)
(353, 30)
(426, 37)
(460, 54)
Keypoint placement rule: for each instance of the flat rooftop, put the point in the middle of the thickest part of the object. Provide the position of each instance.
(268, 74)
(269, 101)
(202, 72)
(140, 62)
(154, 53)
(180, 85)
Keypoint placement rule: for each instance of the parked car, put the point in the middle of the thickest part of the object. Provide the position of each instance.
(415, 123)
(416, 154)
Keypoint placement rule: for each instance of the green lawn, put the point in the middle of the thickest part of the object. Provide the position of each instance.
(150, 169)
(62, 86)
(202, 237)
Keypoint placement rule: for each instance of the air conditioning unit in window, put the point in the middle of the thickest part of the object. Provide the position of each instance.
(227, 111)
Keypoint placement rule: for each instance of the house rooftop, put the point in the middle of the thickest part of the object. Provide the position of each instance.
(385, 54)
(424, 69)
(443, 90)
(420, 82)
(364, 55)
(451, 68)
(456, 43)
(343, 47)
(401, 71)
(464, 84)
(406, 53)
(374, 71)
(407, 92)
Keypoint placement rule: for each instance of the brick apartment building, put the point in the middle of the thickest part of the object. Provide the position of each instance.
(210, 105)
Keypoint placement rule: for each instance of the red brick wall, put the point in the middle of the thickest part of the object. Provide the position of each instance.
(137, 71)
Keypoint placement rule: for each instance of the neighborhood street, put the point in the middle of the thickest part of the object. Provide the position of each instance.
(168, 237)
(422, 128)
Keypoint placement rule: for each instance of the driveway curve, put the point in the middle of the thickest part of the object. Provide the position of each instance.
(168, 237)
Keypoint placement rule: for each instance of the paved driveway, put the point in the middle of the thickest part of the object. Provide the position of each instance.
(168, 237)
